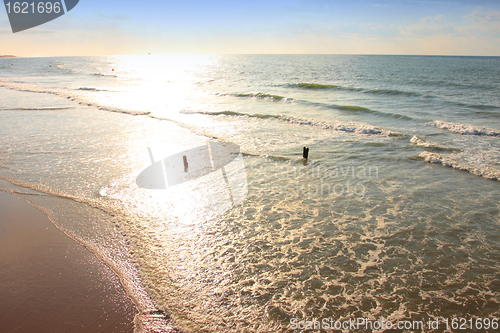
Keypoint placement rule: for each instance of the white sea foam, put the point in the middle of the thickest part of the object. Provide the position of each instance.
(133, 113)
(419, 142)
(64, 94)
(466, 129)
(345, 127)
(352, 127)
(426, 144)
(457, 161)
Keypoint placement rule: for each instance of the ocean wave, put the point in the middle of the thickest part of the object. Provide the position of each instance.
(36, 109)
(455, 162)
(466, 129)
(483, 106)
(319, 86)
(263, 96)
(487, 114)
(352, 108)
(232, 113)
(344, 108)
(130, 112)
(344, 127)
(108, 75)
(90, 89)
(307, 85)
(351, 127)
(355, 109)
(422, 143)
(392, 92)
(419, 142)
(441, 83)
(486, 109)
(360, 109)
(74, 99)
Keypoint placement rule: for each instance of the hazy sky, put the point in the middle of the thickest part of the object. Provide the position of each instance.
(448, 27)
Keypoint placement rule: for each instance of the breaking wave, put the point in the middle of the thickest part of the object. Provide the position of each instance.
(360, 109)
(344, 108)
(344, 127)
(107, 75)
(466, 129)
(351, 127)
(456, 162)
(36, 109)
(307, 85)
(353, 108)
(232, 113)
(392, 92)
(483, 107)
(319, 86)
(18, 87)
(130, 112)
(90, 89)
(422, 143)
(263, 96)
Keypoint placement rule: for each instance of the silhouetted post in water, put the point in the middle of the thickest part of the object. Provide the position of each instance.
(184, 158)
(305, 153)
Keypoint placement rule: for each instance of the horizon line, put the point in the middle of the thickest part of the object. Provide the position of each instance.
(229, 54)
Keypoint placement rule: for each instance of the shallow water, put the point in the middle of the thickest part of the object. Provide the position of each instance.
(395, 215)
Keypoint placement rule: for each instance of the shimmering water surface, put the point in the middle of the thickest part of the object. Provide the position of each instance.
(395, 215)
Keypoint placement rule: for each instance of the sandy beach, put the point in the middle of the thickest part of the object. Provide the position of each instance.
(50, 283)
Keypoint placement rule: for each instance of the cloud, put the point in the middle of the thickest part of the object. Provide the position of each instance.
(433, 35)
(429, 26)
(485, 20)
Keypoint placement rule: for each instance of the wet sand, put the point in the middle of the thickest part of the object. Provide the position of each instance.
(50, 283)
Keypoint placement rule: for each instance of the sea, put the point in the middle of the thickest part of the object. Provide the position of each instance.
(393, 217)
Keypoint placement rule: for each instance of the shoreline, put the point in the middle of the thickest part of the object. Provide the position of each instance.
(51, 282)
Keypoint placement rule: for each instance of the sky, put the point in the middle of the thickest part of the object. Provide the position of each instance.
(424, 27)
